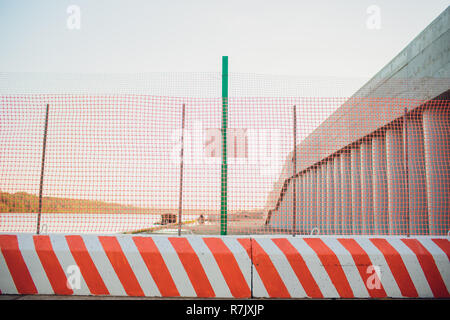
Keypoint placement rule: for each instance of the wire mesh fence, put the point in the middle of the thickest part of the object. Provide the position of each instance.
(296, 165)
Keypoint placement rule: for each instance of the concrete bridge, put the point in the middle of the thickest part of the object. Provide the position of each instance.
(380, 163)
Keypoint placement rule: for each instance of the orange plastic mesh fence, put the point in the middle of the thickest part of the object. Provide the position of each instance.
(113, 164)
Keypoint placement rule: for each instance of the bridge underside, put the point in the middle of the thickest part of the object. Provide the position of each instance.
(394, 181)
(380, 163)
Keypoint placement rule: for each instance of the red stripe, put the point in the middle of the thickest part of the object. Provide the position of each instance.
(52, 267)
(332, 266)
(193, 267)
(429, 268)
(362, 262)
(87, 267)
(247, 244)
(300, 268)
(121, 266)
(16, 265)
(397, 267)
(229, 267)
(156, 266)
(267, 272)
(444, 244)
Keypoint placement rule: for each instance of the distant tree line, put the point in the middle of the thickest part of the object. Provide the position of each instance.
(22, 202)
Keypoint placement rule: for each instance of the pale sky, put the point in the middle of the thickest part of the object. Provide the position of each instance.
(280, 37)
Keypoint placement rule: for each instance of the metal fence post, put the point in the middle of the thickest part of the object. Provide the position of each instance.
(41, 183)
(294, 192)
(180, 198)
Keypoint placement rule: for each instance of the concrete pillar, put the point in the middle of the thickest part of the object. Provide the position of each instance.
(277, 217)
(366, 187)
(287, 212)
(318, 215)
(307, 197)
(294, 199)
(418, 208)
(355, 158)
(277, 220)
(380, 195)
(282, 216)
(346, 193)
(330, 198)
(313, 212)
(304, 203)
(323, 227)
(337, 195)
(308, 201)
(436, 129)
(299, 216)
(396, 182)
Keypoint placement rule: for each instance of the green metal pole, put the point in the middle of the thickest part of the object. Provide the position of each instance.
(224, 172)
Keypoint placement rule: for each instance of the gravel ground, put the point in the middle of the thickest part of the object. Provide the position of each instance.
(244, 226)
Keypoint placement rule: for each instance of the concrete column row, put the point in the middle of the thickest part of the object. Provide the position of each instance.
(436, 131)
(379, 186)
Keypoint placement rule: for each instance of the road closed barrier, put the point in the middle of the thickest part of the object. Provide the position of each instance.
(226, 267)
(351, 267)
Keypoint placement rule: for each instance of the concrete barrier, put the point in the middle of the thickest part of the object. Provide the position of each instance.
(124, 265)
(226, 267)
(351, 267)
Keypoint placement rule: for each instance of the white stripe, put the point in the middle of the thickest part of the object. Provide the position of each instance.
(103, 265)
(414, 269)
(241, 256)
(376, 256)
(7, 285)
(175, 266)
(210, 266)
(34, 265)
(349, 267)
(440, 258)
(64, 256)
(316, 268)
(259, 290)
(138, 266)
(283, 268)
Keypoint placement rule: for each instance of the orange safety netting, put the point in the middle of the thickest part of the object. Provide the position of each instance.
(113, 164)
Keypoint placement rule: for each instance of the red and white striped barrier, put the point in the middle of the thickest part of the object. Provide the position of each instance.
(240, 267)
(353, 267)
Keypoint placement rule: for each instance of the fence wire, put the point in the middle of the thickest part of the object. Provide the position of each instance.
(296, 165)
